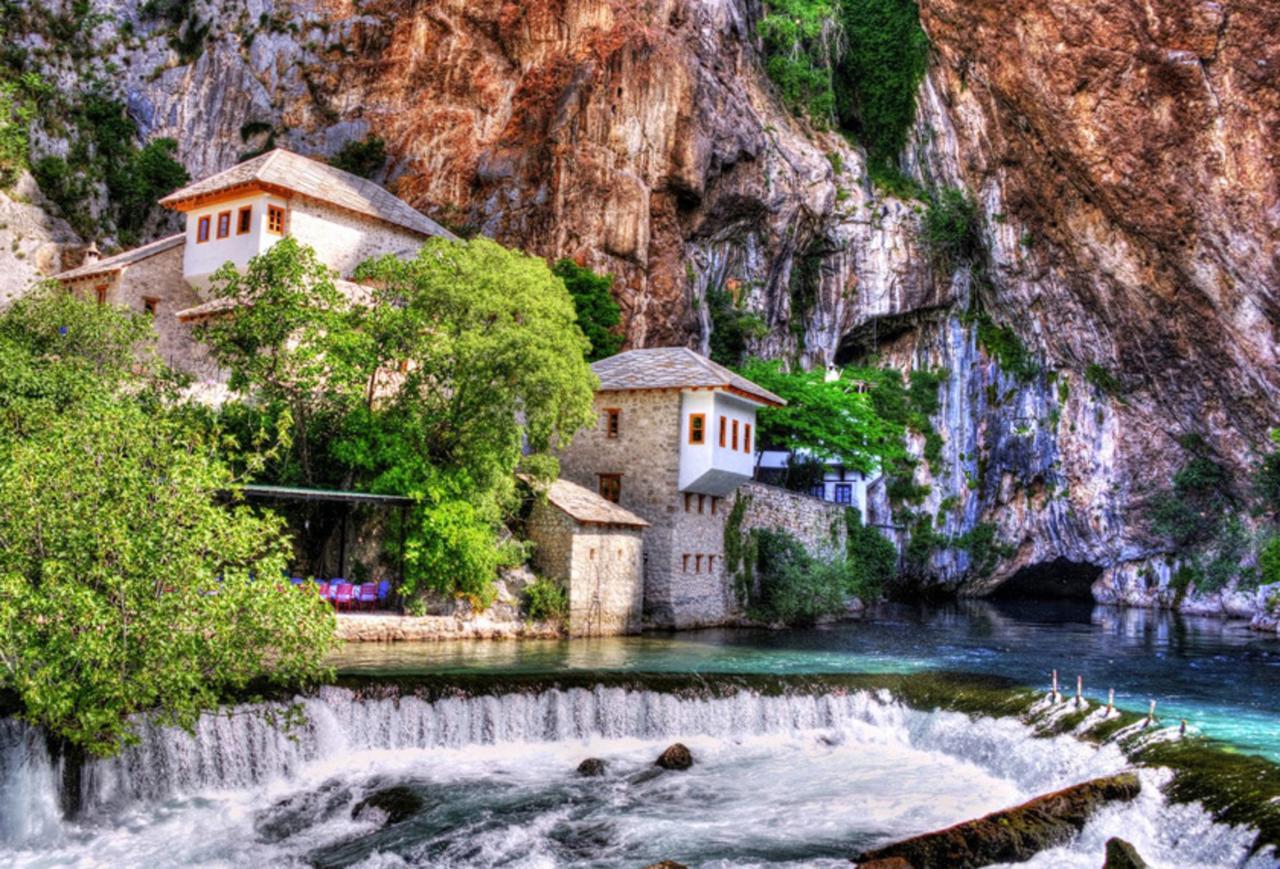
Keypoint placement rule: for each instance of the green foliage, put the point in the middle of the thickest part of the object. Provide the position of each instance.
(800, 39)
(826, 419)
(143, 178)
(364, 158)
(545, 600)
(599, 316)
(1266, 481)
(1106, 382)
(792, 586)
(875, 84)
(871, 559)
(984, 548)
(1003, 344)
(127, 584)
(461, 356)
(20, 96)
(950, 230)
(732, 327)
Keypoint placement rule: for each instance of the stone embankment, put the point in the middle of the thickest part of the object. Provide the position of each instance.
(391, 628)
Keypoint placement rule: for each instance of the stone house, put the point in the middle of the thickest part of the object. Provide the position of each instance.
(595, 548)
(236, 215)
(838, 483)
(674, 441)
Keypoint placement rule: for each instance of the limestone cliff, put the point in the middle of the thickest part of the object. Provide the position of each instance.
(1122, 155)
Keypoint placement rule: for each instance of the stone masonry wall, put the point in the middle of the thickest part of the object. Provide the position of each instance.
(606, 584)
(551, 533)
(343, 239)
(818, 524)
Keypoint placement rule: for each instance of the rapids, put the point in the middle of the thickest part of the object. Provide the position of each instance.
(792, 778)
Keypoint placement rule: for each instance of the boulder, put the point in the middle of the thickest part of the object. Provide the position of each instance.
(395, 803)
(677, 756)
(1122, 855)
(1008, 836)
(592, 767)
(666, 864)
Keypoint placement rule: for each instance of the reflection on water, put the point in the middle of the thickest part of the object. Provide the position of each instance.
(1224, 679)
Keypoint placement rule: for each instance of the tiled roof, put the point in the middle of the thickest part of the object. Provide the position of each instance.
(584, 505)
(355, 292)
(289, 171)
(672, 368)
(122, 260)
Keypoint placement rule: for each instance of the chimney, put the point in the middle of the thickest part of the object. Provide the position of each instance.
(91, 254)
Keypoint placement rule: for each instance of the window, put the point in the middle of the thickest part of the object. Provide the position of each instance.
(275, 220)
(711, 564)
(684, 562)
(611, 487)
(224, 224)
(101, 291)
(722, 431)
(844, 493)
(714, 502)
(701, 500)
(687, 499)
(612, 421)
(149, 305)
(244, 220)
(818, 490)
(202, 230)
(697, 428)
(746, 439)
(697, 564)
(735, 434)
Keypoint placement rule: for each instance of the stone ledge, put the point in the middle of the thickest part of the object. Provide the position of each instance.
(386, 628)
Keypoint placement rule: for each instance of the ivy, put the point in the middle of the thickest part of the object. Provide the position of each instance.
(733, 327)
(1003, 345)
(1101, 378)
(951, 231)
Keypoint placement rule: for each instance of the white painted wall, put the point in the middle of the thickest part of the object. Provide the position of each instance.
(709, 468)
(342, 240)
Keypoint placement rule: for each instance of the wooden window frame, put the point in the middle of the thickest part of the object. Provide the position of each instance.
(150, 305)
(697, 564)
(688, 499)
(697, 433)
(244, 220)
(612, 422)
(724, 426)
(714, 502)
(735, 435)
(276, 219)
(223, 226)
(702, 499)
(611, 482)
(204, 227)
(746, 438)
(684, 563)
(101, 291)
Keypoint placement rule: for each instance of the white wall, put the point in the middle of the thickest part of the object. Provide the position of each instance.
(709, 468)
(202, 259)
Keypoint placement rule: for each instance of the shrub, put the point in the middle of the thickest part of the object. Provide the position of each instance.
(599, 315)
(545, 600)
(792, 586)
(1266, 481)
(732, 327)
(141, 180)
(950, 230)
(364, 158)
(1269, 560)
(871, 559)
(1106, 382)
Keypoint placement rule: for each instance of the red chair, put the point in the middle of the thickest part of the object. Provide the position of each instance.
(367, 595)
(343, 595)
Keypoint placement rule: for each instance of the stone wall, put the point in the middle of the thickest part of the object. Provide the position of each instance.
(384, 628)
(343, 239)
(818, 524)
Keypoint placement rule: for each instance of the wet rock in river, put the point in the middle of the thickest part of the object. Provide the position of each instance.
(677, 756)
(1122, 855)
(666, 864)
(1012, 835)
(592, 767)
(394, 803)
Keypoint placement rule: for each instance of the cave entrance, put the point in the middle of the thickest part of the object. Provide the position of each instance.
(1060, 579)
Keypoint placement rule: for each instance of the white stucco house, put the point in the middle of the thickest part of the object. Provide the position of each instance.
(840, 484)
(232, 217)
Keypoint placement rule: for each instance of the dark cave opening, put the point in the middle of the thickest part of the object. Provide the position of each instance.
(1060, 579)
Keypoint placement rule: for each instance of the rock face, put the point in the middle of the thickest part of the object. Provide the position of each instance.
(1010, 836)
(391, 805)
(1122, 855)
(1121, 153)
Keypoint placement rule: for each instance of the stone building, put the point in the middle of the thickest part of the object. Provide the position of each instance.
(596, 549)
(674, 441)
(236, 215)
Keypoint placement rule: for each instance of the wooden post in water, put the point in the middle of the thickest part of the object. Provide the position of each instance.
(1079, 690)
(1151, 715)
(1182, 728)
(1111, 701)
(1054, 696)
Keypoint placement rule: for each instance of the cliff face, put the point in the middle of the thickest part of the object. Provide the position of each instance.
(1122, 154)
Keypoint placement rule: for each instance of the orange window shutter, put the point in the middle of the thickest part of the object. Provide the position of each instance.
(746, 439)
(735, 434)
(722, 431)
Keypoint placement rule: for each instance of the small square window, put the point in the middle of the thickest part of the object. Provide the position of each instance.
(612, 422)
(224, 224)
(150, 305)
(202, 229)
(275, 220)
(697, 428)
(244, 220)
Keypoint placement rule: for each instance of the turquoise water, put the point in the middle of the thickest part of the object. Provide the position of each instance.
(1222, 678)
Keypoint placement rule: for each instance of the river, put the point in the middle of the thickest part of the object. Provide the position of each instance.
(793, 778)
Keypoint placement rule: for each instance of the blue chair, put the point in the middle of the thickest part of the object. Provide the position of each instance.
(384, 591)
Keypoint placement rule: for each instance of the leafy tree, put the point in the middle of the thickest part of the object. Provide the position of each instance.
(871, 558)
(598, 313)
(141, 180)
(950, 231)
(364, 158)
(126, 579)
(732, 326)
(1267, 480)
(801, 40)
(826, 419)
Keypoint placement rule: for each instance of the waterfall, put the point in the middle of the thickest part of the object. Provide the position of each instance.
(237, 766)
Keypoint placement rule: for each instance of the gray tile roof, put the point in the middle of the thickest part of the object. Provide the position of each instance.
(122, 260)
(584, 505)
(672, 368)
(357, 293)
(289, 171)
